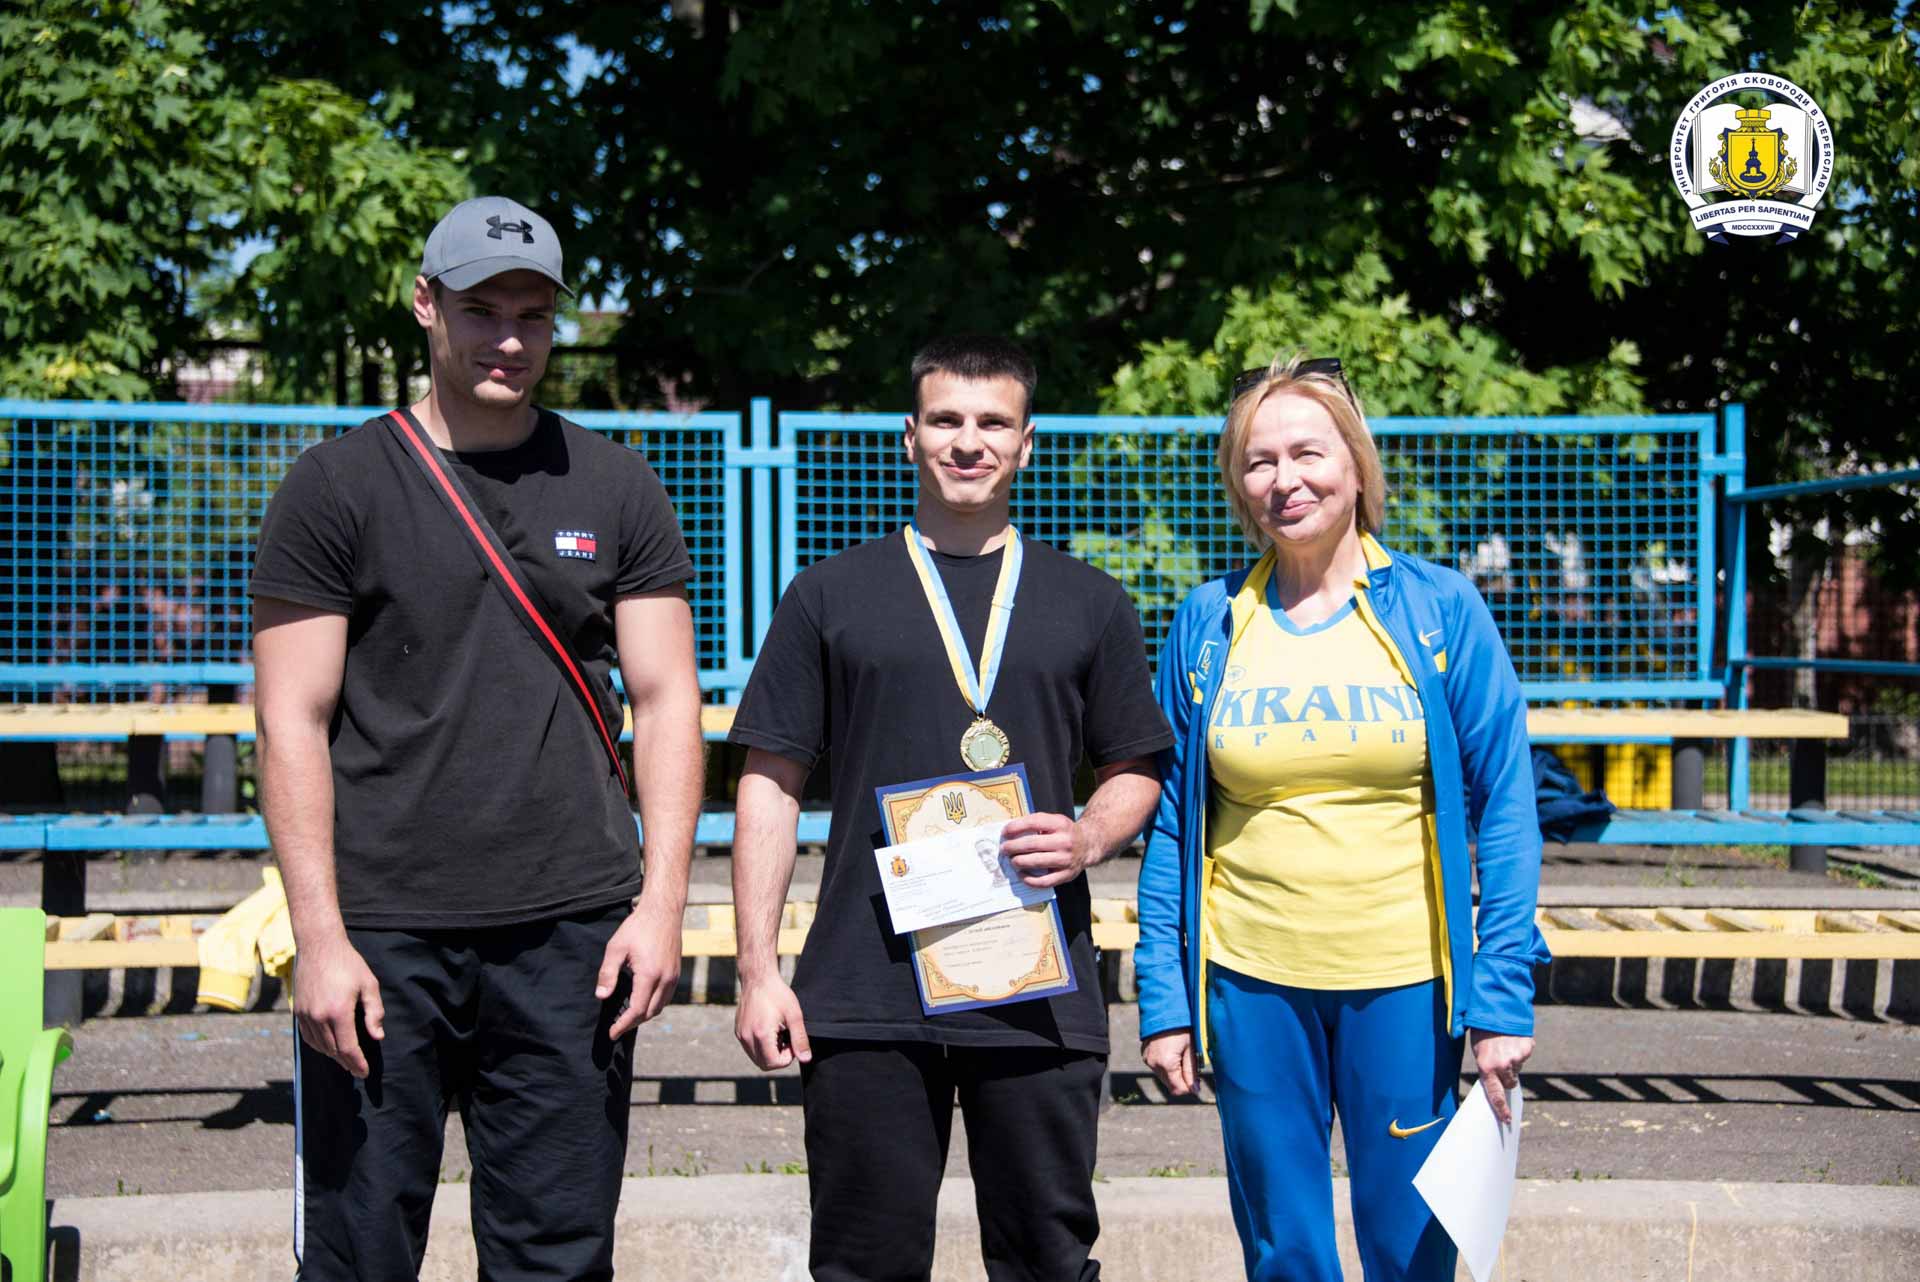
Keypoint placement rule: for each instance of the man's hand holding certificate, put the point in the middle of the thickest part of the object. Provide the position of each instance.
(952, 876)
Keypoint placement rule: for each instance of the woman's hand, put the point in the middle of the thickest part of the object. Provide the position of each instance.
(1170, 1056)
(1499, 1057)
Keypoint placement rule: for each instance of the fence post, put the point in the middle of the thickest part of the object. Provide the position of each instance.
(63, 893)
(146, 774)
(220, 777)
(1807, 790)
(761, 567)
(1734, 457)
(1689, 774)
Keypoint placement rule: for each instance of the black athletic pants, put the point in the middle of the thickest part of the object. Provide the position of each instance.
(879, 1115)
(502, 1023)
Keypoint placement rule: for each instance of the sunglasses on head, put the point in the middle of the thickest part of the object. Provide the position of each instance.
(1248, 379)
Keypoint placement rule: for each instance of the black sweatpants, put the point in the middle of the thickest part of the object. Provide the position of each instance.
(879, 1116)
(502, 1023)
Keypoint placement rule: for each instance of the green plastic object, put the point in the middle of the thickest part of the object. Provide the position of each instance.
(27, 1056)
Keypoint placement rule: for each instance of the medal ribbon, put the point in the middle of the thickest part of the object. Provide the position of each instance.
(976, 689)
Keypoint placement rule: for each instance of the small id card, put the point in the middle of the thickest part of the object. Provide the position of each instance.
(1014, 955)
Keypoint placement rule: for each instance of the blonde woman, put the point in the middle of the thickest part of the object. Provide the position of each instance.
(1344, 717)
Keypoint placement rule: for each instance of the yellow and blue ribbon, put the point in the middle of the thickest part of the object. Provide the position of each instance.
(978, 689)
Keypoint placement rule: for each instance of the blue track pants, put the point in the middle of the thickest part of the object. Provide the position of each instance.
(1283, 1060)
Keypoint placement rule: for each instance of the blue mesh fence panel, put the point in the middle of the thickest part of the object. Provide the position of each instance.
(688, 452)
(128, 542)
(127, 532)
(1585, 538)
(1829, 627)
(1584, 535)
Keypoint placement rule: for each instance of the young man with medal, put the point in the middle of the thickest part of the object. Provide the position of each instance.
(953, 674)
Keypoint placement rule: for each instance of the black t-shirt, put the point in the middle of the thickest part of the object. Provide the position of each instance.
(470, 786)
(853, 667)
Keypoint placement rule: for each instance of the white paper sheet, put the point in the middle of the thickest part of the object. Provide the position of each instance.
(1468, 1178)
(949, 877)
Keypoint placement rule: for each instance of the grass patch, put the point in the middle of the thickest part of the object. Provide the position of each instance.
(1893, 781)
(691, 1163)
(1856, 875)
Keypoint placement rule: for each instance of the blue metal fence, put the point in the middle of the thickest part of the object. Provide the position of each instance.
(1740, 661)
(126, 535)
(126, 530)
(1591, 538)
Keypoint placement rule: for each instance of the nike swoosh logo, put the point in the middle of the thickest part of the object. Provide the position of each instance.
(1426, 638)
(1400, 1132)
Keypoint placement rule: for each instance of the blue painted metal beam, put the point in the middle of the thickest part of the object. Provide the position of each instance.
(1740, 758)
(23, 832)
(1619, 691)
(249, 832)
(1503, 425)
(1754, 828)
(1828, 485)
(107, 674)
(1872, 667)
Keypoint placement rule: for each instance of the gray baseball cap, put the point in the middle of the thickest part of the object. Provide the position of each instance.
(482, 237)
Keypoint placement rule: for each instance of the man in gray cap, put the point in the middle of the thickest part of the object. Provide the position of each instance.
(441, 596)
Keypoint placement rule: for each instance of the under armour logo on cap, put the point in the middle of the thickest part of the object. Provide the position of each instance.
(496, 227)
(484, 237)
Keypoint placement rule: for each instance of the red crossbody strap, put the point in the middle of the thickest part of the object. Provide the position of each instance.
(505, 576)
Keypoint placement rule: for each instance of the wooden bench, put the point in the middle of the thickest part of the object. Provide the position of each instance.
(67, 840)
(146, 727)
(1805, 827)
(115, 721)
(104, 941)
(1689, 730)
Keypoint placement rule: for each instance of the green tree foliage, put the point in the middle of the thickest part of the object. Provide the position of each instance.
(132, 166)
(118, 154)
(1509, 239)
(792, 194)
(1402, 363)
(343, 205)
(1468, 199)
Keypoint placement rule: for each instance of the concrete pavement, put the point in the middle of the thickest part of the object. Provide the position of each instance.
(193, 1103)
(748, 1228)
(1662, 1140)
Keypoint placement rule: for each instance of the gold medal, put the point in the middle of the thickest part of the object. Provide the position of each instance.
(984, 746)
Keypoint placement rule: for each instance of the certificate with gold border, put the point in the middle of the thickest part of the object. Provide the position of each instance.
(1012, 956)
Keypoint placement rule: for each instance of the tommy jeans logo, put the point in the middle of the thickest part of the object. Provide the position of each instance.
(577, 545)
(496, 227)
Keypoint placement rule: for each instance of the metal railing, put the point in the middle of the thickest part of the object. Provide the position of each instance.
(127, 534)
(126, 531)
(1881, 768)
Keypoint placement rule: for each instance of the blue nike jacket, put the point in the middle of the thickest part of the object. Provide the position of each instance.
(1482, 783)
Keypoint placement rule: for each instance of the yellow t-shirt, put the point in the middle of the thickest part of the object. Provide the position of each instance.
(1320, 827)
